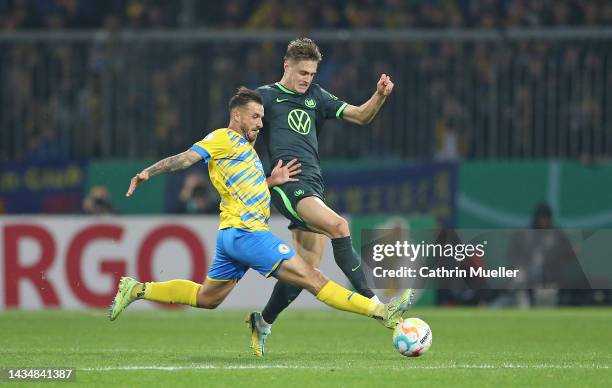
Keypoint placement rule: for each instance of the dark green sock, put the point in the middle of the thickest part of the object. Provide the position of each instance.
(281, 298)
(350, 263)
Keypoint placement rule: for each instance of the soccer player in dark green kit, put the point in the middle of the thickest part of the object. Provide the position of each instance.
(295, 109)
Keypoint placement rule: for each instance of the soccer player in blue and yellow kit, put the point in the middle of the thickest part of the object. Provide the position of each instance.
(244, 240)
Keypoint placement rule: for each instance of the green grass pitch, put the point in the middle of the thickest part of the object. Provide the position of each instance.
(471, 347)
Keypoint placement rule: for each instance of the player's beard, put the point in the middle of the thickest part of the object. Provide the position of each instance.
(246, 133)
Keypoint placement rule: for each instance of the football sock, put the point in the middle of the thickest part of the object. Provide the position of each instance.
(340, 298)
(282, 296)
(173, 291)
(349, 262)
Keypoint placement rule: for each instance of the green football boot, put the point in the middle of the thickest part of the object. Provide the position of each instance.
(396, 309)
(123, 298)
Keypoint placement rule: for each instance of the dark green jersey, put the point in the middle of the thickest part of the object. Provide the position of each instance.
(291, 122)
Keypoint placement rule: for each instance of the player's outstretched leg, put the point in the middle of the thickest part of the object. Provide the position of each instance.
(296, 271)
(388, 314)
(208, 295)
(310, 247)
(172, 292)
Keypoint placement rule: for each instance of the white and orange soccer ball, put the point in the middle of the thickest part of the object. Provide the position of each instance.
(412, 337)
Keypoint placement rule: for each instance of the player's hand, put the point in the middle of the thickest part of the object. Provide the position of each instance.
(282, 174)
(384, 87)
(136, 180)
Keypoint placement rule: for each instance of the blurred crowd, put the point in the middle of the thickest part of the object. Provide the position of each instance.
(267, 14)
(103, 98)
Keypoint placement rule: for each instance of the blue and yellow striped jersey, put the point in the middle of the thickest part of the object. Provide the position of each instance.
(236, 172)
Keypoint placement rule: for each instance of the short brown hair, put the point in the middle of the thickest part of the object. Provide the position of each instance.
(243, 96)
(303, 49)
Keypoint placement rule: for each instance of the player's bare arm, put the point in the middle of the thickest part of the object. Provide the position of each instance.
(283, 174)
(170, 164)
(366, 112)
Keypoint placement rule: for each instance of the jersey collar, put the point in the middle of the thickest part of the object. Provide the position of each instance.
(284, 89)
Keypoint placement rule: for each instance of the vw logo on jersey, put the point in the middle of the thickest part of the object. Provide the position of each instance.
(299, 121)
(311, 103)
(284, 249)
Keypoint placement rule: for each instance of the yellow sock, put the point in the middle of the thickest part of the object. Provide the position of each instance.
(172, 291)
(340, 298)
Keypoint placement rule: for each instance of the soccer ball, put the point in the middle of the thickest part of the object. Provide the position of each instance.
(412, 337)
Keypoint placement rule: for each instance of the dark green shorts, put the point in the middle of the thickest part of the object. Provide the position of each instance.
(286, 197)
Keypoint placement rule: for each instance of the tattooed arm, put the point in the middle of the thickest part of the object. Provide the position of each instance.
(173, 163)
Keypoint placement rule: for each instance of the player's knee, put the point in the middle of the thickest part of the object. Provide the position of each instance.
(338, 227)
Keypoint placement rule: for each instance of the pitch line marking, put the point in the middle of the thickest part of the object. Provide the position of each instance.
(194, 367)
(234, 367)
